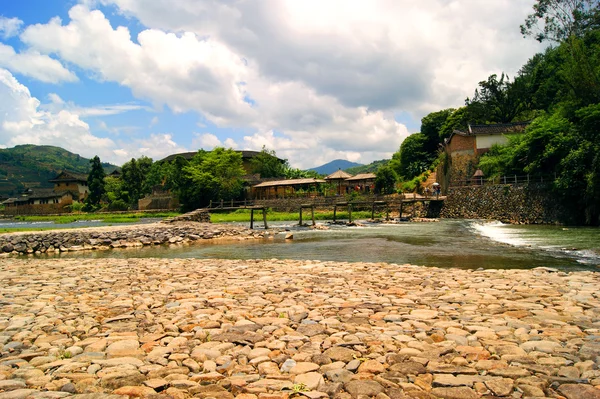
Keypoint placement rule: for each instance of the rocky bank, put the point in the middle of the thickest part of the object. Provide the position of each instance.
(102, 238)
(224, 329)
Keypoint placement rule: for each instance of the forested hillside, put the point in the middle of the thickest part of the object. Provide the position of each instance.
(33, 165)
(557, 90)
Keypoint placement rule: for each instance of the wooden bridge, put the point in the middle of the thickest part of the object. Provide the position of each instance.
(329, 203)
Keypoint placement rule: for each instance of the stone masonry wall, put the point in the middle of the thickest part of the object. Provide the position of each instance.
(524, 204)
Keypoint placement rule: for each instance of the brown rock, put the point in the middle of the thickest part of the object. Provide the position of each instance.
(454, 393)
(363, 388)
(579, 391)
(134, 391)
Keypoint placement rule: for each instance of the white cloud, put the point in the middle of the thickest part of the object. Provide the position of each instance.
(206, 141)
(311, 79)
(9, 27)
(22, 121)
(34, 65)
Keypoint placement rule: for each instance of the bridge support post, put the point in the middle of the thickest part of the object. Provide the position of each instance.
(373, 211)
(349, 213)
(265, 217)
(334, 212)
(401, 205)
(251, 218)
(387, 212)
(300, 222)
(312, 214)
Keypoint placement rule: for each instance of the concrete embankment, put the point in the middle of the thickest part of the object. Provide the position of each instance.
(101, 238)
(276, 329)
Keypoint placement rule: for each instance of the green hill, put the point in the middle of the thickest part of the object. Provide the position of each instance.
(33, 165)
(370, 168)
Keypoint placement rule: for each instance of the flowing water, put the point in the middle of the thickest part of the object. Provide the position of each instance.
(449, 243)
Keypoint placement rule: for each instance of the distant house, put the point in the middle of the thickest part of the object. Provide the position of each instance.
(68, 187)
(71, 181)
(478, 139)
(362, 182)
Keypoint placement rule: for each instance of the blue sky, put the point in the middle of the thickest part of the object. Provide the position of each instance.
(315, 81)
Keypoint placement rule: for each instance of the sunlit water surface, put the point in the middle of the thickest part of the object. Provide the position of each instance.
(465, 244)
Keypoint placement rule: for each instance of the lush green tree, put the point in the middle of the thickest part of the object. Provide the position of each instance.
(267, 165)
(134, 174)
(497, 100)
(385, 180)
(213, 175)
(295, 173)
(95, 182)
(412, 159)
(431, 126)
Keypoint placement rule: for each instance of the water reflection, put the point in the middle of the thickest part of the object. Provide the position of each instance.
(449, 243)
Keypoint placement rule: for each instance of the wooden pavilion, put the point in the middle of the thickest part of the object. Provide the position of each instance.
(284, 188)
(340, 177)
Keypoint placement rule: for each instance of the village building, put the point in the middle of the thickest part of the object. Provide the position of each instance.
(464, 148)
(68, 187)
(363, 182)
(73, 182)
(478, 139)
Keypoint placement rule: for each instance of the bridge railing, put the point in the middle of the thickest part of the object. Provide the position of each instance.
(502, 180)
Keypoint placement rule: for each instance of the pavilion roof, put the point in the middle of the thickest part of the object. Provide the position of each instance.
(289, 182)
(362, 176)
(338, 175)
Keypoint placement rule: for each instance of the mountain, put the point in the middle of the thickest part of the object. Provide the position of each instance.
(28, 165)
(332, 166)
(373, 167)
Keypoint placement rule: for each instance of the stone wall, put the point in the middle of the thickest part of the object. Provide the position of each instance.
(199, 215)
(37, 209)
(527, 204)
(120, 237)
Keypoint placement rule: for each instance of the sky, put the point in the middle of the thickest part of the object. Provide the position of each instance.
(314, 80)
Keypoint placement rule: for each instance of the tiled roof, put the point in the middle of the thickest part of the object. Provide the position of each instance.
(362, 176)
(338, 175)
(66, 176)
(289, 182)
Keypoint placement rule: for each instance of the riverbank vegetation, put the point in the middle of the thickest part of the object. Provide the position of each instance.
(100, 216)
(558, 91)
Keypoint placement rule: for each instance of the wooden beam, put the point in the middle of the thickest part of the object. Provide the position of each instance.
(300, 223)
(312, 212)
(265, 217)
(251, 218)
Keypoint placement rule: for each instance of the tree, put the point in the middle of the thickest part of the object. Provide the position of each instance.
(95, 182)
(213, 175)
(497, 100)
(134, 175)
(561, 19)
(266, 164)
(431, 126)
(385, 180)
(412, 159)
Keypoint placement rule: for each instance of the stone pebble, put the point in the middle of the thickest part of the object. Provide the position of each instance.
(277, 329)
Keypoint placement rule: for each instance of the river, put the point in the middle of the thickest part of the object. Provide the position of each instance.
(466, 244)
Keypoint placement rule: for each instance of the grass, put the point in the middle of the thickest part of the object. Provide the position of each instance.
(107, 218)
(104, 217)
(243, 215)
